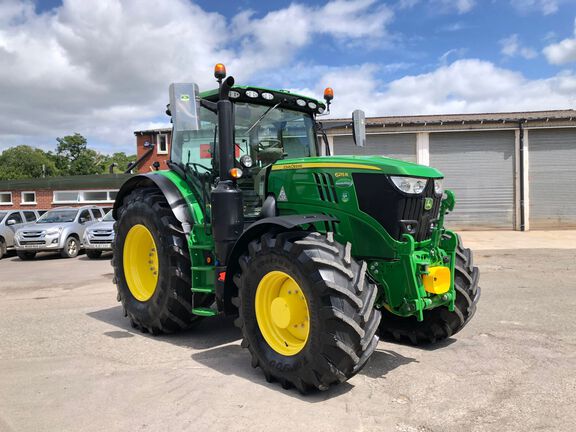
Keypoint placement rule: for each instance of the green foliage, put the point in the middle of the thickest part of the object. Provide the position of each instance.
(121, 161)
(23, 161)
(72, 157)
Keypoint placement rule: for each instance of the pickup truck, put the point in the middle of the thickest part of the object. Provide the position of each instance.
(10, 222)
(60, 230)
(99, 237)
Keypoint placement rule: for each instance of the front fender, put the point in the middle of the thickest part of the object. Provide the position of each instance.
(176, 200)
(225, 293)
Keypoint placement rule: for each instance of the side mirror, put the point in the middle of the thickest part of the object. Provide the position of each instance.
(83, 220)
(11, 222)
(359, 127)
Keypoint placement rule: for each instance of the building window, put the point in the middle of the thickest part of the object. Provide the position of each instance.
(162, 147)
(28, 198)
(84, 197)
(65, 197)
(5, 198)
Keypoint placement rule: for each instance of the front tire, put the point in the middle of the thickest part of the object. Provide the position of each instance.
(439, 323)
(161, 302)
(2, 248)
(325, 342)
(71, 248)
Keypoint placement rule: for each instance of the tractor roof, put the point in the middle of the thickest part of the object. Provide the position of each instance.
(286, 98)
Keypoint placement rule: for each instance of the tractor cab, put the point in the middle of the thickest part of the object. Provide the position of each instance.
(269, 126)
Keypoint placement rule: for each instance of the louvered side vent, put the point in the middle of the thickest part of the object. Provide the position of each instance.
(326, 187)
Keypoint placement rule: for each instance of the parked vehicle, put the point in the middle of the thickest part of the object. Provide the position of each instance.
(58, 230)
(99, 237)
(10, 222)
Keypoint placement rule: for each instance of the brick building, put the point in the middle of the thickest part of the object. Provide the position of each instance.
(153, 146)
(50, 192)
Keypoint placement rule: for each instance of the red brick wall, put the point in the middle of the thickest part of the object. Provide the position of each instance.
(146, 165)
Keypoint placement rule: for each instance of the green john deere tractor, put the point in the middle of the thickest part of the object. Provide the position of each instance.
(316, 255)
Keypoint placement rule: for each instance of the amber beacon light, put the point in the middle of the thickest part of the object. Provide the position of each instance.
(219, 71)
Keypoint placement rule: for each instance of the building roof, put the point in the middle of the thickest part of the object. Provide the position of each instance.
(104, 181)
(446, 119)
(152, 131)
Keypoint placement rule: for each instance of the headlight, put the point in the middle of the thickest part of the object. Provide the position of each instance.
(54, 231)
(438, 186)
(246, 161)
(409, 185)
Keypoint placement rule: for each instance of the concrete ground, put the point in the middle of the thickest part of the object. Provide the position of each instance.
(69, 361)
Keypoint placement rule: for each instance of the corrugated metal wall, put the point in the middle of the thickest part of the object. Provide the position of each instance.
(479, 168)
(552, 175)
(398, 146)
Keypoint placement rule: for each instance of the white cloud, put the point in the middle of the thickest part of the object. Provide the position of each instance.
(511, 47)
(546, 7)
(460, 6)
(563, 51)
(465, 86)
(103, 68)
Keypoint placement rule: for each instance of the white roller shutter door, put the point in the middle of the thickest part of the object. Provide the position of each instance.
(552, 174)
(479, 168)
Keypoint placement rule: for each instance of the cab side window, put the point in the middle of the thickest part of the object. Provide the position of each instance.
(30, 216)
(85, 216)
(16, 216)
(96, 213)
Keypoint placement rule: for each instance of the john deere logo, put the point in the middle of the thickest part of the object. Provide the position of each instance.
(428, 202)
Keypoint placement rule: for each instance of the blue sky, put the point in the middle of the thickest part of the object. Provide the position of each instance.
(102, 68)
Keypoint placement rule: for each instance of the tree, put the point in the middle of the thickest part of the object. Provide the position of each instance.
(120, 159)
(73, 157)
(26, 162)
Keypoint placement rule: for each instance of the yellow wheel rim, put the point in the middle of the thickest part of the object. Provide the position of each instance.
(282, 313)
(140, 262)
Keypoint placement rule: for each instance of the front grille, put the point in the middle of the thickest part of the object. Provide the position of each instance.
(32, 242)
(32, 234)
(107, 241)
(397, 212)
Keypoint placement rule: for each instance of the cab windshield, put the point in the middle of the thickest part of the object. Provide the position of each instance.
(266, 133)
(58, 216)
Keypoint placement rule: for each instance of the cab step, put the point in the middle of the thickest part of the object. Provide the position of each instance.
(202, 268)
(203, 289)
(207, 312)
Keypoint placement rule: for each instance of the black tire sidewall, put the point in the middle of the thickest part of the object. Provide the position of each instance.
(263, 265)
(143, 311)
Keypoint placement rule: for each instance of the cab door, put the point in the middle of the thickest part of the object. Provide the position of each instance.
(14, 221)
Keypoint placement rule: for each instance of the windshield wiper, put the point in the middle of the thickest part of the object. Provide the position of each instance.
(272, 108)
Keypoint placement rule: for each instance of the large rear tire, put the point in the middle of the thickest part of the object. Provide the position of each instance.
(327, 332)
(152, 265)
(439, 323)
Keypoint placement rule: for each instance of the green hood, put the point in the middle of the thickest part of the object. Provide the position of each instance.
(370, 163)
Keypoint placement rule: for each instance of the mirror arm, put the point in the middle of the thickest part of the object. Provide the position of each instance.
(210, 106)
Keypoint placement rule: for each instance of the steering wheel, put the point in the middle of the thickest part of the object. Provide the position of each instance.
(267, 143)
